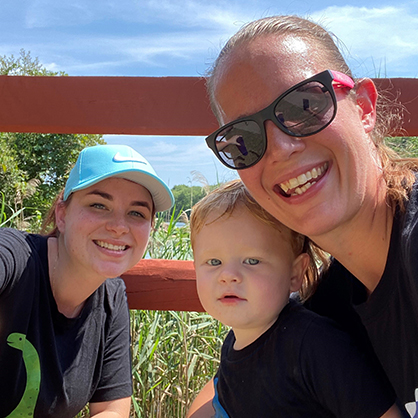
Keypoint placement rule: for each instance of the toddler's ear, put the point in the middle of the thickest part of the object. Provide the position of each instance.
(300, 264)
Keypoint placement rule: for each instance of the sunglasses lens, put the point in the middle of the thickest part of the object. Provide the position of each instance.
(240, 145)
(306, 110)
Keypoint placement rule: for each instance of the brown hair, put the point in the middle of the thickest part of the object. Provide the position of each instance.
(232, 195)
(49, 225)
(397, 172)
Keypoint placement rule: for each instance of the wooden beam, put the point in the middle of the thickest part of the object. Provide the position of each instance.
(105, 105)
(162, 285)
(405, 91)
(132, 105)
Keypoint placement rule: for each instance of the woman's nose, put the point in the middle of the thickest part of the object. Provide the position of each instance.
(280, 146)
(117, 224)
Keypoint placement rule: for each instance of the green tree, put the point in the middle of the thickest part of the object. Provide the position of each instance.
(35, 166)
(186, 197)
(24, 65)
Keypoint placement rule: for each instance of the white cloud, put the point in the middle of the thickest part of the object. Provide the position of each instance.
(50, 13)
(101, 37)
(375, 37)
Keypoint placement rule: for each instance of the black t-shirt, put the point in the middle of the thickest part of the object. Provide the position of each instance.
(390, 314)
(303, 366)
(51, 365)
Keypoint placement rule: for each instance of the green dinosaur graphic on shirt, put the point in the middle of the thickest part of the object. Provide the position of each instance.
(26, 406)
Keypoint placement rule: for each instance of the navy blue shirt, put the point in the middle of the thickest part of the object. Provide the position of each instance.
(387, 321)
(303, 366)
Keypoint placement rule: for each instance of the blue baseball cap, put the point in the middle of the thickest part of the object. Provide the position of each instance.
(100, 162)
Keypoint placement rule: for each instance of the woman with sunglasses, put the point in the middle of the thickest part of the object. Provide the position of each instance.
(314, 157)
(64, 326)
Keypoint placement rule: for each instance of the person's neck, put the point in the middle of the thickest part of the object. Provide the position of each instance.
(362, 245)
(70, 286)
(245, 337)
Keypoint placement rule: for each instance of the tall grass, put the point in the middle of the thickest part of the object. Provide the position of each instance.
(6, 220)
(170, 238)
(174, 355)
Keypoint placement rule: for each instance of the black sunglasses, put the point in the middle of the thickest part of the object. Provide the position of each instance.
(305, 109)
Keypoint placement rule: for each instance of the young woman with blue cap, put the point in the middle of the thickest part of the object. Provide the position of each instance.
(64, 318)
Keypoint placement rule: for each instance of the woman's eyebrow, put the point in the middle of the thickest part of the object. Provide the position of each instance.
(107, 196)
(142, 203)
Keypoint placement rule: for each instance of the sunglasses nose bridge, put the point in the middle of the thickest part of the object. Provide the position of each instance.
(264, 116)
(269, 114)
(280, 146)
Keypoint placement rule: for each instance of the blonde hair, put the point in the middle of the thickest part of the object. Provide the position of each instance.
(233, 195)
(397, 172)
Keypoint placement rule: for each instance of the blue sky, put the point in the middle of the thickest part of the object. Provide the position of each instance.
(182, 38)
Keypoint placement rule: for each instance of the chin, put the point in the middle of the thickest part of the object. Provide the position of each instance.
(112, 272)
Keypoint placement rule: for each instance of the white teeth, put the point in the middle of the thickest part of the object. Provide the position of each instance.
(293, 183)
(111, 246)
(302, 179)
(300, 190)
(302, 183)
(284, 188)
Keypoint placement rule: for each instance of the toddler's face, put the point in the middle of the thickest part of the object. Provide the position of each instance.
(245, 272)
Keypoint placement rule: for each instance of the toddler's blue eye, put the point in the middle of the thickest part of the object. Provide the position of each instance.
(251, 261)
(214, 262)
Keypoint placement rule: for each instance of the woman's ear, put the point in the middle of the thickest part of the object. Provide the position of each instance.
(299, 269)
(366, 95)
(60, 211)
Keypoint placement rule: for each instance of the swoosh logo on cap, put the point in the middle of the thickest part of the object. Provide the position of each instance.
(121, 159)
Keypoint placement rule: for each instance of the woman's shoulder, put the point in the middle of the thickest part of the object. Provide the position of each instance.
(10, 235)
(19, 252)
(114, 292)
(17, 247)
(16, 240)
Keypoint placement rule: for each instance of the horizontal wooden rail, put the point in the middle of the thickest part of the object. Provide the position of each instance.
(133, 105)
(140, 106)
(162, 285)
(105, 105)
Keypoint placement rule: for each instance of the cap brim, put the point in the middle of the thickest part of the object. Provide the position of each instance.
(161, 195)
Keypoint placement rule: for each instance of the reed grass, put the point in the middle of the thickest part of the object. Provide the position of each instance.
(174, 355)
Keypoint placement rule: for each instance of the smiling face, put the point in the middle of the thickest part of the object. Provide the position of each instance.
(105, 228)
(315, 184)
(245, 271)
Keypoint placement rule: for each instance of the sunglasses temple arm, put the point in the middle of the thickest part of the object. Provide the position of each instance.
(342, 79)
